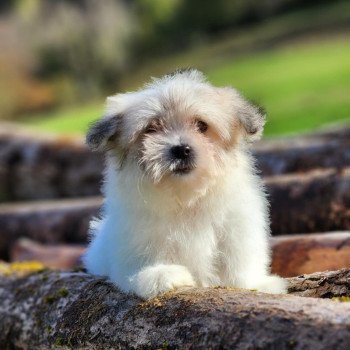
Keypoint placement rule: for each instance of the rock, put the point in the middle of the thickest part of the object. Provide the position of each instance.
(50, 310)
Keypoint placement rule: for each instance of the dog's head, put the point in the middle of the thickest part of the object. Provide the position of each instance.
(178, 129)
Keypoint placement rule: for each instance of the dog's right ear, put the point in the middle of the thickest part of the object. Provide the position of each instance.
(252, 119)
(103, 133)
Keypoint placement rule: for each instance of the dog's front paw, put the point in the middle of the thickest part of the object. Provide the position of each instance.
(273, 284)
(153, 280)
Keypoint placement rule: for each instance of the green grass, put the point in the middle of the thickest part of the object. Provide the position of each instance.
(67, 121)
(302, 86)
(303, 83)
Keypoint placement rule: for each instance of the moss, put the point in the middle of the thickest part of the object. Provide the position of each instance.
(59, 341)
(29, 290)
(164, 346)
(60, 293)
(79, 316)
(63, 292)
(49, 299)
(292, 343)
(229, 288)
(88, 315)
(342, 299)
(38, 323)
(79, 269)
(26, 289)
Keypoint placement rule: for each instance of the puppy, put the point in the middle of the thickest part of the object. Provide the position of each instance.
(183, 204)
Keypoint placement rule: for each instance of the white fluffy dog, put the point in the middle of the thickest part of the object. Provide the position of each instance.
(183, 205)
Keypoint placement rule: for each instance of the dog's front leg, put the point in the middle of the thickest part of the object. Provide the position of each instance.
(153, 280)
(245, 260)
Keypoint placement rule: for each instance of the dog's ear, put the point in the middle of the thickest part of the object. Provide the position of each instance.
(103, 132)
(252, 119)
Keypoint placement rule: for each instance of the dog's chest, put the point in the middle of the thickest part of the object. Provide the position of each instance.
(180, 240)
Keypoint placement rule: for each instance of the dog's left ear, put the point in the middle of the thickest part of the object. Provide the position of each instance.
(103, 132)
(252, 119)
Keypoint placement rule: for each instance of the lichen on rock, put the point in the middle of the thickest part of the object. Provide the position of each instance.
(20, 268)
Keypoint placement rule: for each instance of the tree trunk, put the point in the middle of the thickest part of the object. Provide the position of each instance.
(329, 284)
(63, 221)
(317, 201)
(53, 256)
(36, 166)
(51, 310)
(327, 149)
(293, 255)
(306, 253)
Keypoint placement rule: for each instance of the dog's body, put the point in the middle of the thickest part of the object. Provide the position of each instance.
(183, 205)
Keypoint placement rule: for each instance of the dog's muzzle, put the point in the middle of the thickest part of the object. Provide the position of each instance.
(183, 156)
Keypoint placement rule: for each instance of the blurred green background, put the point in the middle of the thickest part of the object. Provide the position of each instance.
(59, 59)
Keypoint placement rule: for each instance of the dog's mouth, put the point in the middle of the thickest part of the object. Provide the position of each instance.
(183, 169)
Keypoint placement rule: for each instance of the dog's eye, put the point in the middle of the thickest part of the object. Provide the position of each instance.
(154, 126)
(201, 126)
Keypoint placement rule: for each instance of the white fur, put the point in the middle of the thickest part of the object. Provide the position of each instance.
(208, 228)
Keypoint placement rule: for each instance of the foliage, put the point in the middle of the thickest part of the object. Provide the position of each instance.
(302, 86)
(62, 52)
(89, 45)
(154, 31)
(20, 91)
(173, 24)
(67, 120)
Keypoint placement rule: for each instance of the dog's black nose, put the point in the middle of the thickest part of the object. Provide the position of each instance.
(181, 152)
